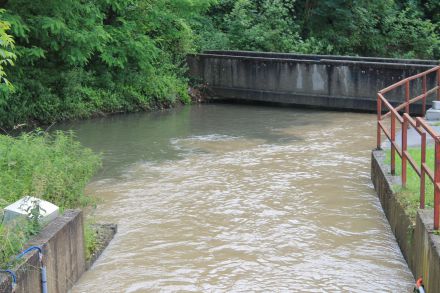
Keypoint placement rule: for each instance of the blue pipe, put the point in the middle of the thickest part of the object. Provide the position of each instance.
(24, 252)
(43, 266)
(13, 276)
(43, 279)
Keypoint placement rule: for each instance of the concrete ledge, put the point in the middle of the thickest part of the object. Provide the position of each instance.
(63, 245)
(319, 57)
(301, 99)
(352, 81)
(419, 246)
(408, 64)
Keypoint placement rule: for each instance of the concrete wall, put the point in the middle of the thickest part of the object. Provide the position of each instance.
(314, 80)
(419, 246)
(64, 254)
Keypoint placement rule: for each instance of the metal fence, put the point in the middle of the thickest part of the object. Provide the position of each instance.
(401, 115)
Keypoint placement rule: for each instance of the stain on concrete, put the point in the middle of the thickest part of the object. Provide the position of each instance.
(335, 81)
(419, 245)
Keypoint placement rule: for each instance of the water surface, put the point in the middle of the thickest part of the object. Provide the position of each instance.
(232, 198)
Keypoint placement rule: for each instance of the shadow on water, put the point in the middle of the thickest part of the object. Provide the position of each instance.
(126, 139)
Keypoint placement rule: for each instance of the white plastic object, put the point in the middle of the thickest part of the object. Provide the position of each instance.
(22, 208)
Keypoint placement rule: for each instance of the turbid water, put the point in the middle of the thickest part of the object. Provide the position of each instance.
(228, 198)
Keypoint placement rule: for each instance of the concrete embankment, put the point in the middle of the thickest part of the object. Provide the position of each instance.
(337, 82)
(419, 245)
(62, 242)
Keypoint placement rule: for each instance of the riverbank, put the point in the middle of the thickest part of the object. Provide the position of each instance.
(414, 233)
(54, 167)
(409, 197)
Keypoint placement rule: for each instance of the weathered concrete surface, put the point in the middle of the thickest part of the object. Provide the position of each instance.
(27, 274)
(63, 245)
(419, 246)
(427, 251)
(325, 81)
(104, 234)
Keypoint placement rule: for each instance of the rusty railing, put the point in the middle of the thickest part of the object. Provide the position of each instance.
(421, 127)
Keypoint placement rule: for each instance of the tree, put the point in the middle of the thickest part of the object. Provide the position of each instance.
(80, 58)
(7, 55)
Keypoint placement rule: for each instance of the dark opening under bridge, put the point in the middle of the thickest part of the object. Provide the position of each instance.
(325, 81)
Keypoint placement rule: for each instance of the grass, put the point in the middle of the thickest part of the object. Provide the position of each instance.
(409, 196)
(53, 167)
(13, 239)
(91, 242)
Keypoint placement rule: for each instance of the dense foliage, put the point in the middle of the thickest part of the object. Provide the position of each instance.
(66, 59)
(76, 59)
(52, 167)
(389, 28)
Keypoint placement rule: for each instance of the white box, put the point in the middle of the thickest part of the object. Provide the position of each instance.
(22, 208)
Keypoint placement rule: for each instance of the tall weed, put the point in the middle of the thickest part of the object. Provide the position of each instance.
(53, 167)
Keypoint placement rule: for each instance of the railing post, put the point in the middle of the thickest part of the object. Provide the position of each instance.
(424, 96)
(407, 97)
(436, 182)
(404, 147)
(393, 138)
(379, 117)
(438, 84)
(422, 170)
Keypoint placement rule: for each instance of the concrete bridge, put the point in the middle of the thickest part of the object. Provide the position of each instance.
(311, 80)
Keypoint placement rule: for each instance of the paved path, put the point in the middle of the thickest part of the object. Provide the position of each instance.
(413, 137)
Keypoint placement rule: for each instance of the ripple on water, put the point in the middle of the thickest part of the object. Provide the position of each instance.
(237, 214)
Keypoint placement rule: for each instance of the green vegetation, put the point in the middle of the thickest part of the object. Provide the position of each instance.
(409, 196)
(81, 58)
(7, 57)
(67, 59)
(52, 167)
(55, 168)
(12, 241)
(386, 28)
(76, 59)
(91, 242)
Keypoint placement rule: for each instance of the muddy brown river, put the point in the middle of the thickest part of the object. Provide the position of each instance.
(235, 198)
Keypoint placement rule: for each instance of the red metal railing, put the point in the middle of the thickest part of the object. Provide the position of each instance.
(420, 126)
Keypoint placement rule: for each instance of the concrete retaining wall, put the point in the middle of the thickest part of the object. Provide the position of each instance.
(315, 80)
(64, 254)
(419, 246)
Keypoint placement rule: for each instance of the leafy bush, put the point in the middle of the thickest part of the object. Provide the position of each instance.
(412, 37)
(52, 167)
(55, 168)
(81, 58)
(76, 59)
(13, 239)
(390, 28)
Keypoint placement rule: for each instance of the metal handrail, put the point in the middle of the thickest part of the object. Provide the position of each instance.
(421, 127)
